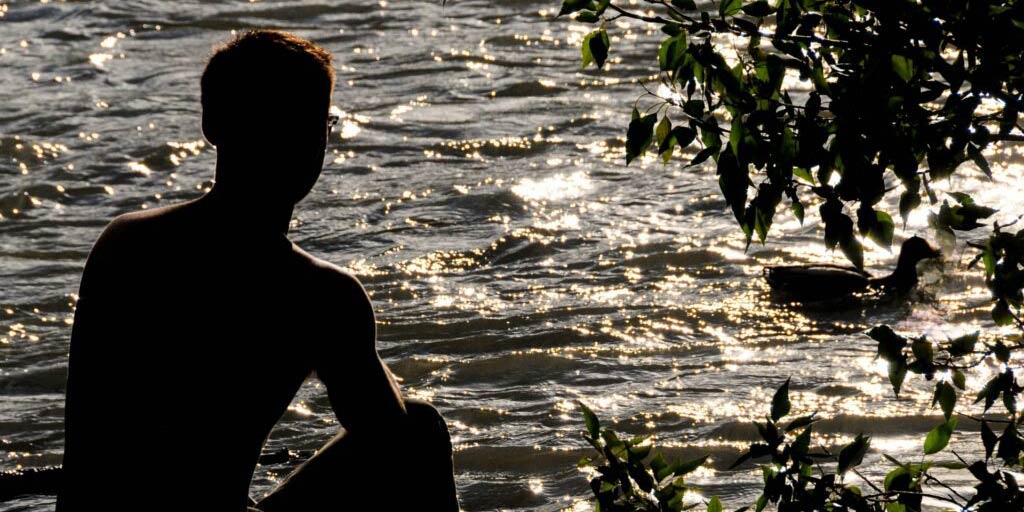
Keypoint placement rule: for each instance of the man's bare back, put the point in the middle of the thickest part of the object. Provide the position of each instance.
(196, 325)
(190, 342)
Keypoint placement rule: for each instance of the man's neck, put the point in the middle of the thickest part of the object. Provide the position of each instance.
(242, 214)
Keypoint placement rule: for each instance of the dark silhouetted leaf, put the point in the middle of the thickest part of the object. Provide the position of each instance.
(780, 402)
(760, 8)
(595, 48)
(853, 454)
(639, 136)
(963, 345)
(571, 6)
(733, 180)
(1009, 445)
(988, 438)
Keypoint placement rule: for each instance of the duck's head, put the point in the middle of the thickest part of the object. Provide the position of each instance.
(915, 249)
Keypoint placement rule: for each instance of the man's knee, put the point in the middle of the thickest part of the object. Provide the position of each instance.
(424, 418)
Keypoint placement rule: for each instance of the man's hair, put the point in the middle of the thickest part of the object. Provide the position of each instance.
(266, 71)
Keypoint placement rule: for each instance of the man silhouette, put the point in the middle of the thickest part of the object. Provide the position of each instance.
(197, 323)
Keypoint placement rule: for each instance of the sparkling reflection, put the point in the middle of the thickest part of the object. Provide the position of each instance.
(476, 186)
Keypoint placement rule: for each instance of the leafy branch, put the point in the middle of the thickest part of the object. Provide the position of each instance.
(844, 95)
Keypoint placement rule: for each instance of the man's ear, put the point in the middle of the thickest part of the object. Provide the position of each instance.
(211, 129)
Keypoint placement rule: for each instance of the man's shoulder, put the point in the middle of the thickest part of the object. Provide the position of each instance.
(331, 279)
(127, 227)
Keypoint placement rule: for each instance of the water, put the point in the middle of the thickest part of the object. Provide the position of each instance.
(477, 187)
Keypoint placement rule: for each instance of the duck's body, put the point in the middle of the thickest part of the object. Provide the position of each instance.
(816, 282)
(809, 283)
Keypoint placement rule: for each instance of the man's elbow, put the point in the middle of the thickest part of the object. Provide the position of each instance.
(369, 417)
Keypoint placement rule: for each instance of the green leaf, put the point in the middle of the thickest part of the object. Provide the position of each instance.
(595, 48)
(904, 67)
(612, 440)
(893, 506)
(897, 474)
(593, 424)
(1001, 313)
(803, 174)
(945, 395)
(897, 373)
(959, 380)
(663, 132)
(882, 230)
(588, 17)
(780, 402)
(853, 250)
(715, 505)
(729, 7)
(853, 454)
(639, 135)
(640, 452)
(798, 210)
(672, 52)
(684, 468)
(962, 197)
(939, 436)
(571, 6)
(736, 134)
(658, 465)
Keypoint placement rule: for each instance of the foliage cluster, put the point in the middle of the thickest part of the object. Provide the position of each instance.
(857, 107)
(800, 477)
(841, 101)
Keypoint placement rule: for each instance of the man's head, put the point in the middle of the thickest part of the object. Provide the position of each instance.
(265, 97)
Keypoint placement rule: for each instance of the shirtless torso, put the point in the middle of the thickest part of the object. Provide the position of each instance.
(190, 341)
(198, 322)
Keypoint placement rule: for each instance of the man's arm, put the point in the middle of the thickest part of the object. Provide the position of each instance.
(94, 314)
(362, 391)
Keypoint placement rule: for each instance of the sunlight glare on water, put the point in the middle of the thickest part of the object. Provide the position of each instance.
(476, 185)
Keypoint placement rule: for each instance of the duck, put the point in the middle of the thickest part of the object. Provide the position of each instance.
(808, 283)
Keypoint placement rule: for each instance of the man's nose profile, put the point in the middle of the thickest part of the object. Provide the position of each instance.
(215, 319)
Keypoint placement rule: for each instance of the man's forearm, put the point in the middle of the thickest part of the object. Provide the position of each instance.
(371, 402)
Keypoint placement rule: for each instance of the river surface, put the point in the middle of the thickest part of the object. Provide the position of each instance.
(477, 186)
